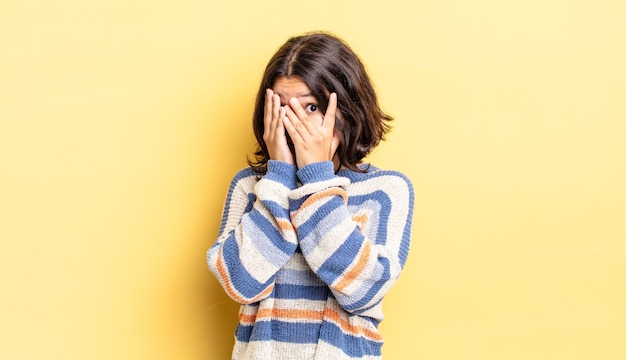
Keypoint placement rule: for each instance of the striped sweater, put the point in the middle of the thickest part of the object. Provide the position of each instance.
(310, 255)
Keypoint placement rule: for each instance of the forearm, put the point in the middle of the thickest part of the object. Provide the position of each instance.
(357, 254)
(255, 244)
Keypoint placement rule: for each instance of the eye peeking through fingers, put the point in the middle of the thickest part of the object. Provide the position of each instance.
(311, 108)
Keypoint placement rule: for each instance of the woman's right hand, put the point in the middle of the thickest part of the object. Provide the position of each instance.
(274, 133)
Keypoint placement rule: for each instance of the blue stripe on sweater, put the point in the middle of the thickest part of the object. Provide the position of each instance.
(282, 173)
(385, 203)
(267, 227)
(337, 263)
(298, 277)
(276, 210)
(303, 333)
(362, 302)
(295, 204)
(297, 332)
(318, 293)
(245, 284)
(251, 200)
(351, 345)
(264, 245)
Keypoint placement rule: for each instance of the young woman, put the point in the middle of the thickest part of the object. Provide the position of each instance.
(311, 238)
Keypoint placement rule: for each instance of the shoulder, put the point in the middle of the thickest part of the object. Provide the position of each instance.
(246, 173)
(245, 179)
(386, 187)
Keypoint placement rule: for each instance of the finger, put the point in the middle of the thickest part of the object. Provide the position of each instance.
(278, 126)
(289, 122)
(275, 106)
(297, 108)
(298, 125)
(302, 115)
(267, 116)
(329, 116)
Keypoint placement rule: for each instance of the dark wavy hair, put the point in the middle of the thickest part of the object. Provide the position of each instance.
(327, 64)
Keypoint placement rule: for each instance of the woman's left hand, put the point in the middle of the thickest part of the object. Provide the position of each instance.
(312, 142)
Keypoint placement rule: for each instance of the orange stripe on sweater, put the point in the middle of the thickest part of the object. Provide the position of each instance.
(221, 268)
(291, 314)
(356, 269)
(265, 293)
(284, 225)
(361, 219)
(311, 315)
(350, 328)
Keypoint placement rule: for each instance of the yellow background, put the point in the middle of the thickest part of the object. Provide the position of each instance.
(122, 122)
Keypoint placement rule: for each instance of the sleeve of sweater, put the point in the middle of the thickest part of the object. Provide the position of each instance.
(256, 237)
(358, 264)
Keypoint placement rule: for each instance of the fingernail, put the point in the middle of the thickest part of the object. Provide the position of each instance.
(293, 100)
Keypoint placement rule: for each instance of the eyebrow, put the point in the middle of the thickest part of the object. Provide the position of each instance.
(299, 96)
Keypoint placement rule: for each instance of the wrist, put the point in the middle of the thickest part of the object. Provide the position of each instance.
(282, 172)
(316, 171)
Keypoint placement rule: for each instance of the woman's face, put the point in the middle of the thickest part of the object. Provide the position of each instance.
(288, 87)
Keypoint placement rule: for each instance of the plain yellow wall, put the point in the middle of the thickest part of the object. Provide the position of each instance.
(122, 122)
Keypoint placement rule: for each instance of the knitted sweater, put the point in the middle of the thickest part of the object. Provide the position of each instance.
(310, 254)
